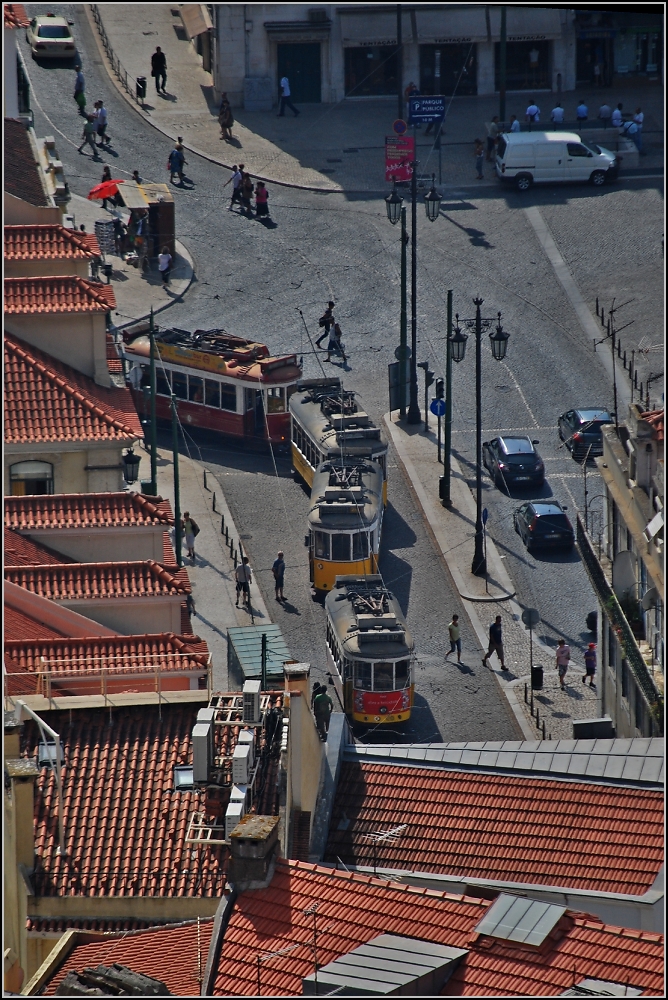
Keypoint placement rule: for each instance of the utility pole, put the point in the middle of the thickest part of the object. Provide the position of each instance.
(414, 416)
(479, 566)
(502, 67)
(447, 442)
(154, 431)
(400, 65)
(177, 499)
(403, 328)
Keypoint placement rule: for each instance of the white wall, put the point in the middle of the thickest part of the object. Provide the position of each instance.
(11, 89)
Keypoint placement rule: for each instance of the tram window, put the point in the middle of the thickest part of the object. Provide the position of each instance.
(321, 545)
(347, 669)
(211, 392)
(276, 400)
(381, 461)
(363, 676)
(162, 386)
(341, 548)
(228, 397)
(145, 381)
(401, 673)
(249, 399)
(180, 385)
(383, 677)
(360, 545)
(195, 389)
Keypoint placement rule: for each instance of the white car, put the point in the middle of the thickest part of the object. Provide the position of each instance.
(525, 157)
(50, 37)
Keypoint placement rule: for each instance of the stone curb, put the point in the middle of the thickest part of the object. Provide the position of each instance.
(178, 298)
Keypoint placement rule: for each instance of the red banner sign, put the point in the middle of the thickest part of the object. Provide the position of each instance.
(399, 152)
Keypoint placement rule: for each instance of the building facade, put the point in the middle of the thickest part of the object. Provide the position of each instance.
(625, 566)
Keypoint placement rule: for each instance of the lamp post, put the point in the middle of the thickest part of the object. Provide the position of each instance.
(130, 466)
(177, 497)
(455, 350)
(154, 430)
(395, 212)
(499, 343)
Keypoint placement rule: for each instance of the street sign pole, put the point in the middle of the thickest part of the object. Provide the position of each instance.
(484, 542)
(439, 439)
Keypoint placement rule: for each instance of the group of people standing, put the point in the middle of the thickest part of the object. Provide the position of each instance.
(243, 190)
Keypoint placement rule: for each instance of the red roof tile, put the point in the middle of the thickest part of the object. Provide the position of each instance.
(91, 581)
(21, 551)
(86, 511)
(46, 400)
(353, 909)
(46, 926)
(655, 418)
(176, 955)
(22, 178)
(59, 293)
(125, 826)
(19, 625)
(499, 827)
(49, 242)
(15, 15)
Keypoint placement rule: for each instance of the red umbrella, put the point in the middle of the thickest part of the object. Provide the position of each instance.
(104, 190)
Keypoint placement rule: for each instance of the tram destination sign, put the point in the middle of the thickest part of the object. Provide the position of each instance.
(425, 109)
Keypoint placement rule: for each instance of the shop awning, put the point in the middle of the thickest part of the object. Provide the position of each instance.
(368, 29)
(459, 24)
(195, 17)
(528, 24)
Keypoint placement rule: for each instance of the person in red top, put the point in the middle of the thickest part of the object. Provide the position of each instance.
(261, 199)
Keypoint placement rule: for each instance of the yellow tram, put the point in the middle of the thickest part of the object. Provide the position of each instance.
(370, 651)
(327, 423)
(345, 521)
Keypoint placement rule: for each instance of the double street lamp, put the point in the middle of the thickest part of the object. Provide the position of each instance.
(396, 212)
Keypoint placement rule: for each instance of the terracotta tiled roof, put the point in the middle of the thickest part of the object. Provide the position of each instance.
(176, 955)
(86, 511)
(66, 293)
(15, 15)
(21, 551)
(46, 400)
(49, 242)
(45, 926)
(655, 418)
(91, 581)
(19, 625)
(353, 909)
(125, 827)
(119, 654)
(22, 178)
(507, 828)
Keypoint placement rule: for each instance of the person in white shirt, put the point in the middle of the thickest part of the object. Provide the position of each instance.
(164, 264)
(581, 112)
(514, 124)
(617, 118)
(557, 115)
(639, 118)
(286, 100)
(533, 112)
(605, 114)
(235, 181)
(100, 116)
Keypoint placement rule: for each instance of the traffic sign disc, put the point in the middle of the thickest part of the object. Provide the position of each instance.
(437, 407)
(402, 353)
(399, 126)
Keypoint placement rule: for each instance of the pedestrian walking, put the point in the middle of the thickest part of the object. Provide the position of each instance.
(159, 70)
(639, 119)
(495, 643)
(286, 100)
(261, 201)
(106, 177)
(190, 530)
(617, 119)
(454, 631)
(326, 321)
(590, 664)
(120, 235)
(557, 115)
(246, 192)
(190, 606)
(101, 121)
(335, 343)
(164, 266)
(225, 118)
(89, 136)
(533, 112)
(339, 342)
(235, 180)
(79, 91)
(563, 656)
(598, 77)
(243, 575)
(322, 709)
(493, 130)
(479, 153)
(278, 569)
(581, 111)
(176, 163)
(410, 91)
(514, 124)
(605, 114)
(316, 688)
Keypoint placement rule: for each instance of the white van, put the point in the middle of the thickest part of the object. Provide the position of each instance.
(525, 157)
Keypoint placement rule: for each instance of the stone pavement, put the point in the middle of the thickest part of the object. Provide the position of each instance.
(453, 531)
(135, 291)
(330, 147)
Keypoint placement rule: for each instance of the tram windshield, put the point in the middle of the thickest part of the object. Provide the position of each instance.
(383, 677)
(340, 548)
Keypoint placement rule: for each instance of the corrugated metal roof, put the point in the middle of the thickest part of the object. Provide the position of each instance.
(513, 918)
(637, 761)
(244, 650)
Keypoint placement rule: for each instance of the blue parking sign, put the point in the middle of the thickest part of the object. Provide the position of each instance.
(425, 110)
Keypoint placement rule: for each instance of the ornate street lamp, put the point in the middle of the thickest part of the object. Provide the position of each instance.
(457, 343)
(432, 201)
(499, 340)
(393, 204)
(130, 466)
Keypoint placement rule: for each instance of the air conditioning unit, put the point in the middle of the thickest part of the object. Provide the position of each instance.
(241, 766)
(234, 813)
(202, 755)
(252, 701)
(239, 793)
(247, 738)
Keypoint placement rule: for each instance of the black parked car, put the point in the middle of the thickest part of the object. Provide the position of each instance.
(581, 430)
(513, 461)
(543, 524)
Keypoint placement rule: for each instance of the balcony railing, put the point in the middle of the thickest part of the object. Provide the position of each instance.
(613, 612)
